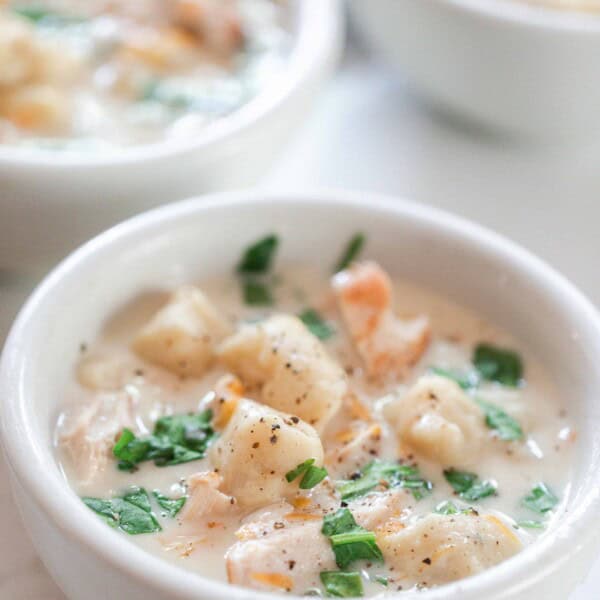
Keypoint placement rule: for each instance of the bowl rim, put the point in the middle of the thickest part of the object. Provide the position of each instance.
(521, 13)
(316, 41)
(52, 494)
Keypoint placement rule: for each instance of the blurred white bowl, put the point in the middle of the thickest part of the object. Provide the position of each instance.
(50, 202)
(192, 240)
(530, 70)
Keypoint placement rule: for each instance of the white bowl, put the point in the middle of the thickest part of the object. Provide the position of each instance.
(529, 70)
(50, 202)
(202, 237)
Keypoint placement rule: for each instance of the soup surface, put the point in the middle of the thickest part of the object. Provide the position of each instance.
(104, 74)
(286, 429)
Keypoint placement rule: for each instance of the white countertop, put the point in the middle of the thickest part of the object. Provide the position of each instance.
(368, 132)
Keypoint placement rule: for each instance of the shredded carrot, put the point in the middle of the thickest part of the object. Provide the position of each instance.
(226, 410)
(274, 579)
(503, 528)
(345, 436)
(358, 410)
(298, 516)
(301, 502)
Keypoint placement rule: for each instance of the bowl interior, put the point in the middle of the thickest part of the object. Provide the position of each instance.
(194, 239)
(315, 31)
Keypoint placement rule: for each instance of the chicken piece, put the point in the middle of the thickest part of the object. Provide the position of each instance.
(354, 449)
(290, 365)
(182, 335)
(375, 510)
(18, 51)
(39, 107)
(216, 23)
(439, 549)
(257, 448)
(89, 433)
(438, 420)
(205, 500)
(278, 554)
(387, 345)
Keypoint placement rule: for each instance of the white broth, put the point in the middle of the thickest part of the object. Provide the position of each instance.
(425, 481)
(100, 74)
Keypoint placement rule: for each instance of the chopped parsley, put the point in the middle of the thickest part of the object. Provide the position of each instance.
(340, 584)
(541, 499)
(446, 508)
(382, 579)
(468, 486)
(254, 265)
(176, 439)
(351, 252)
(259, 256)
(315, 324)
(131, 512)
(466, 380)
(504, 425)
(349, 541)
(498, 364)
(39, 15)
(170, 505)
(387, 473)
(530, 524)
(257, 293)
(312, 475)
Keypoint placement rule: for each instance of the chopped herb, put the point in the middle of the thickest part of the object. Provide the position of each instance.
(446, 508)
(497, 364)
(468, 486)
(466, 381)
(176, 439)
(257, 293)
(351, 252)
(391, 474)
(315, 324)
(258, 257)
(131, 512)
(527, 524)
(349, 540)
(340, 584)
(495, 418)
(170, 505)
(37, 14)
(312, 475)
(541, 499)
(382, 579)
(301, 468)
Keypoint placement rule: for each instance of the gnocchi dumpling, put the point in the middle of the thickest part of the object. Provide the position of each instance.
(290, 366)
(438, 549)
(182, 335)
(257, 448)
(277, 554)
(438, 420)
(387, 345)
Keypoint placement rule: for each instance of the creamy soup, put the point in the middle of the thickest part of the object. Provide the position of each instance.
(104, 74)
(286, 429)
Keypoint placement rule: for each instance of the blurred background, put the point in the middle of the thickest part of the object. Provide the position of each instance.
(370, 128)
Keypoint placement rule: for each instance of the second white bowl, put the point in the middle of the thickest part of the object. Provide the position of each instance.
(50, 202)
(528, 70)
